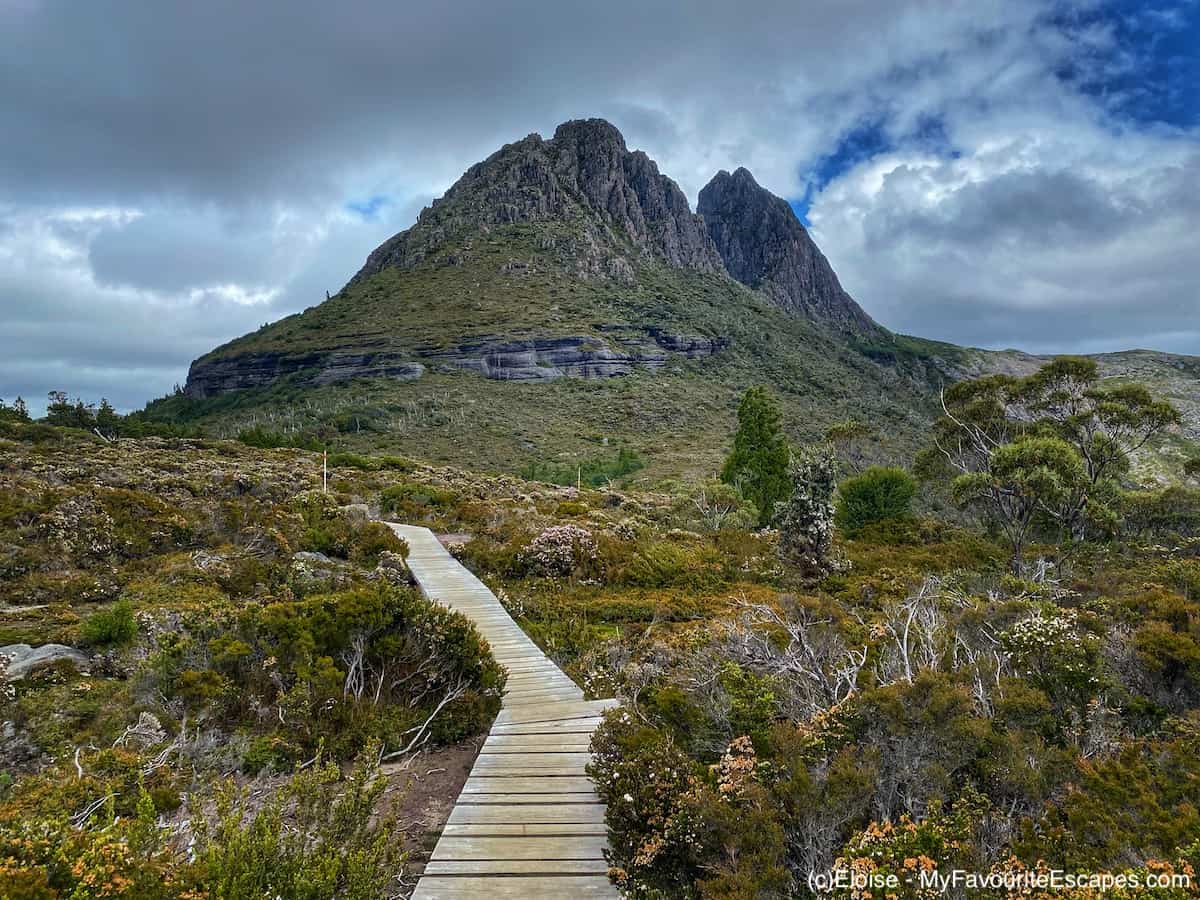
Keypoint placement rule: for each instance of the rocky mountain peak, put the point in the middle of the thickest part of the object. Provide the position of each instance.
(591, 134)
(765, 246)
(584, 173)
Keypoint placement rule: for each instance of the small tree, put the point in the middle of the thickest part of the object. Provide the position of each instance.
(18, 412)
(877, 494)
(107, 420)
(806, 518)
(990, 436)
(758, 464)
(1031, 477)
(69, 413)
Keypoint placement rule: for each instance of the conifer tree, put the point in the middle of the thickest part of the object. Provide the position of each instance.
(758, 464)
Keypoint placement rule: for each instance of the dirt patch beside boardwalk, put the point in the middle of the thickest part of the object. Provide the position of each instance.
(422, 795)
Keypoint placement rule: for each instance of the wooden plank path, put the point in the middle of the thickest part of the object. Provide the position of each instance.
(528, 823)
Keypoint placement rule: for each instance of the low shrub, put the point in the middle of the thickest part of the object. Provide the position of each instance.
(318, 837)
(111, 627)
(560, 550)
(413, 500)
(877, 495)
(661, 564)
(326, 530)
(341, 668)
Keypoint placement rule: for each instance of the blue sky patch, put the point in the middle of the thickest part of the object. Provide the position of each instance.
(860, 143)
(1151, 73)
(370, 208)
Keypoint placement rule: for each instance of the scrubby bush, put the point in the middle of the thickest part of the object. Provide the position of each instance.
(319, 837)
(412, 500)
(661, 564)
(715, 506)
(327, 530)
(878, 494)
(906, 849)
(367, 663)
(677, 830)
(110, 627)
(560, 549)
(1169, 512)
(642, 777)
(109, 856)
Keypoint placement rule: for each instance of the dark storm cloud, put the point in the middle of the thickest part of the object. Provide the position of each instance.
(173, 175)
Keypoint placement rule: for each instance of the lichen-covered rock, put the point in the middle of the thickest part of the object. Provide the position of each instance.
(19, 660)
(392, 569)
(355, 512)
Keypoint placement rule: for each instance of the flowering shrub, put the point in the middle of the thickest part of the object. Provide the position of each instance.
(677, 831)
(317, 837)
(805, 519)
(1048, 649)
(560, 550)
(643, 777)
(906, 849)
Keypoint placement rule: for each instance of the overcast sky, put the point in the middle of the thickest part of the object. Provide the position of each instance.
(994, 172)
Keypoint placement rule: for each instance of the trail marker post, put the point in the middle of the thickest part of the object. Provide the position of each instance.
(324, 471)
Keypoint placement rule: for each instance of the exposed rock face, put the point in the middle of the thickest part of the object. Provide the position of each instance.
(209, 377)
(585, 168)
(619, 352)
(763, 245)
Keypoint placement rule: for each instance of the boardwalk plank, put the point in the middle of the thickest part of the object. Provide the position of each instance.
(544, 849)
(524, 813)
(433, 887)
(540, 784)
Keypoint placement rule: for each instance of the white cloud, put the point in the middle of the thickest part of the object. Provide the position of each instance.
(1051, 233)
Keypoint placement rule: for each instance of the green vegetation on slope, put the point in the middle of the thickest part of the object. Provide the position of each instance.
(521, 281)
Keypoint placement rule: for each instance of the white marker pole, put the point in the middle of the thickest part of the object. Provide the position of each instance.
(324, 471)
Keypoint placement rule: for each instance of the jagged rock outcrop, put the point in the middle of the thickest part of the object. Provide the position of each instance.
(764, 246)
(620, 351)
(584, 169)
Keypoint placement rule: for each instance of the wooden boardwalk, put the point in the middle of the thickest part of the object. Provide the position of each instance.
(528, 823)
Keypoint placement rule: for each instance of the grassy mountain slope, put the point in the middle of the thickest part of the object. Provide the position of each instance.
(514, 283)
